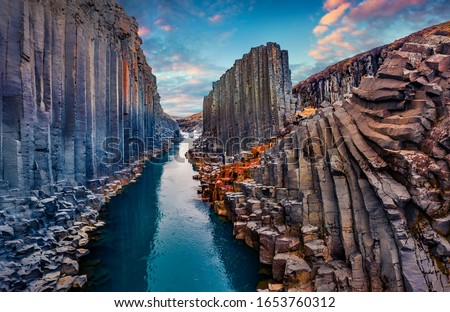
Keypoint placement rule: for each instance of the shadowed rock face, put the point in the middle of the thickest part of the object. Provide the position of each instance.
(253, 98)
(364, 183)
(73, 74)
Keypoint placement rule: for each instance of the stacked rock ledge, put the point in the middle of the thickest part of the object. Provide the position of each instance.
(356, 197)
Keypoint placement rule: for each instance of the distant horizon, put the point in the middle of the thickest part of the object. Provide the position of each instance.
(190, 44)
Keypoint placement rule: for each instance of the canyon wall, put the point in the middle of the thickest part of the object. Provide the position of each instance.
(337, 80)
(356, 197)
(252, 99)
(72, 74)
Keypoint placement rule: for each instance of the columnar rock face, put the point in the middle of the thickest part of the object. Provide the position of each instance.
(337, 80)
(253, 98)
(356, 198)
(72, 74)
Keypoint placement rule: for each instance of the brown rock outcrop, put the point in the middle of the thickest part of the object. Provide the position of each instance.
(191, 123)
(337, 80)
(363, 184)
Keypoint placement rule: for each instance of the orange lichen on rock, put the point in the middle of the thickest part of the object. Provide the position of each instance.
(308, 111)
(218, 180)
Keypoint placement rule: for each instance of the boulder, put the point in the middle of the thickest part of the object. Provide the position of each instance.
(6, 230)
(69, 267)
(65, 283)
(297, 271)
(267, 238)
(439, 62)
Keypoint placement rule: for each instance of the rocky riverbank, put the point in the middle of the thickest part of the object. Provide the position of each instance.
(256, 213)
(41, 247)
(75, 89)
(355, 197)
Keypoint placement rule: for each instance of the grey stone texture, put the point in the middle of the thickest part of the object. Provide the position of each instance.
(72, 73)
(253, 98)
(367, 206)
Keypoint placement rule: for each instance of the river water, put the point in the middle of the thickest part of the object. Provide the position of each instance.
(159, 236)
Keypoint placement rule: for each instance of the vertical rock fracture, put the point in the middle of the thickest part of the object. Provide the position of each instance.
(72, 74)
(356, 197)
(252, 99)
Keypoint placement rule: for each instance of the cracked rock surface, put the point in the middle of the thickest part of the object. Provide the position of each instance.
(356, 197)
(72, 74)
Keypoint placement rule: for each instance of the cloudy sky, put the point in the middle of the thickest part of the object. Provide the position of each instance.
(191, 43)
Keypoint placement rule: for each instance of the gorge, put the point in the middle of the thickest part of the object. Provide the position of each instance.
(338, 183)
(176, 241)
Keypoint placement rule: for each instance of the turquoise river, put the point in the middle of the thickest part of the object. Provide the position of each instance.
(159, 236)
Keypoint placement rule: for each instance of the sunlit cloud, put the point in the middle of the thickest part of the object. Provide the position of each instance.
(336, 10)
(358, 32)
(320, 29)
(194, 82)
(336, 38)
(187, 54)
(376, 8)
(350, 26)
(182, 105)
(144, 31)
(159, 21)
(215, 18)
(332, 16)
(189, 68)
(332, 4)
(320, 53)
(167, 27)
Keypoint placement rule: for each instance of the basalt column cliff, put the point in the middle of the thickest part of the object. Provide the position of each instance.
(356, 197)
(252, 99)
(72, 74)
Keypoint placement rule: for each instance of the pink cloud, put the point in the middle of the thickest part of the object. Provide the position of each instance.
(380, 8)
(359, 32)
(320, 29)
(332, 16)
(334, 43)
(167, 27)
(159, 21)
(336, 38)
(188, 69)
(143, 31)
(332, 4)
(320, 53)
(195, 82)
(215, 18)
